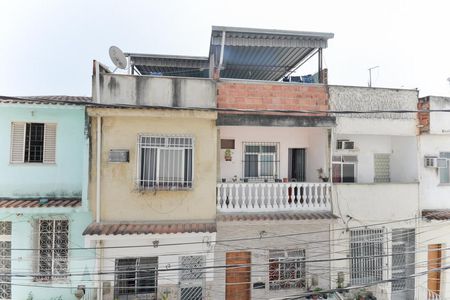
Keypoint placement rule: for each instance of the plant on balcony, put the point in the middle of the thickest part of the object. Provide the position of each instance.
(322, 175)
(228, 155)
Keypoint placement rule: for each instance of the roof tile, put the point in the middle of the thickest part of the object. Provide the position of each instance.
(36, 202)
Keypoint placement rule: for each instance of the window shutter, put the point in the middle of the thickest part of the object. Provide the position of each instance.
(50, 143)
(17, 142)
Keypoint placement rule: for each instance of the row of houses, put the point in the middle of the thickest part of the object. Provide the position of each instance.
(224, 177)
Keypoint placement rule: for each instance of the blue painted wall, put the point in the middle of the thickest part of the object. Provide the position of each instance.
(67, 178)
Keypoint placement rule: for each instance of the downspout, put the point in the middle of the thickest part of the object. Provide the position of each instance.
(99, 252)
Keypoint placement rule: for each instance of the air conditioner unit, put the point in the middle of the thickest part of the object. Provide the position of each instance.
(119, 155)
(435, 162)
(345, 145)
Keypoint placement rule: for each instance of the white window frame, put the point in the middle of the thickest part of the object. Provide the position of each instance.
(446, 155)
(52, 275)
(48, 148)
(185, 184)
(282, 257)
(274, 155)
(341, 162)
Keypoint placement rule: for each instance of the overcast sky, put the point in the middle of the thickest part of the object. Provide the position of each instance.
(47, 47)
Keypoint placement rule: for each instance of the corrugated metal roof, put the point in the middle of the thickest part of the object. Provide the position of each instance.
(64, 100)
(147, 228)
(39, 202)
(276, 216)
(436, 214)
(249, 53)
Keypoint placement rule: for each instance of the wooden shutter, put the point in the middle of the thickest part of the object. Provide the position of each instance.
(18, 142)
(49, 143)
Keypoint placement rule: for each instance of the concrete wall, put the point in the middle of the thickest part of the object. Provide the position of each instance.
(314, 140)
(120, 130)
(24, 236)
(156, 91)
(433, 193)
(168, 258)
(365, 99)
(403, 151)
(271, 95)
(376, 202)
(439, 121)
(62, 179)
(316, 246)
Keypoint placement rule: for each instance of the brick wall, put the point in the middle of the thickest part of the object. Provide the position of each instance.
(424, 117)
(277, 96)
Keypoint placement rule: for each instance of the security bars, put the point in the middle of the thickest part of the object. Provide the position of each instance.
(287, 269)
(5, 260)
(165, 162)
(260, 160)
(136, 276)
(192, 277)
(366, 250)
(53, 249)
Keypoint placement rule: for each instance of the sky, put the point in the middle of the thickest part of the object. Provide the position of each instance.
(47, 47)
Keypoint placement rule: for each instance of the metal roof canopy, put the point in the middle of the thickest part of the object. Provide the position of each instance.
(241, 53)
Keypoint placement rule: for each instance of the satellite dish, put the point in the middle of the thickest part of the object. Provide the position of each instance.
(117, 57)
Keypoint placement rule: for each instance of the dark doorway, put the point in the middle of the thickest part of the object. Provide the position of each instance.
(297, 163)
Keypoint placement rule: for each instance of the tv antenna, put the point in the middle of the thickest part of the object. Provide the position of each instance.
(370, 75)
(118, 58)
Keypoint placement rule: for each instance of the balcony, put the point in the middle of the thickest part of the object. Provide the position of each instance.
(273, 196)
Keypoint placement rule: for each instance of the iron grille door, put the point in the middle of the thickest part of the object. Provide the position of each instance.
(403, 244)
(366, 250)
(192, 278)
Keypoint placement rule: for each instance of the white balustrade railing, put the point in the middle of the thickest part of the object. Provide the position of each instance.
(433, 295)
(271, 196)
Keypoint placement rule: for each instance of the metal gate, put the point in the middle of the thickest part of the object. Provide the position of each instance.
(403, 260)
(192, 277)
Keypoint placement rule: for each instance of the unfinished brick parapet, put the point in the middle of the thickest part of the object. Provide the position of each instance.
(424, 117)
(272, 96)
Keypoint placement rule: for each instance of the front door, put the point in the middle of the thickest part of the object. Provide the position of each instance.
(434, 265)
(237, 278)
(297, 164)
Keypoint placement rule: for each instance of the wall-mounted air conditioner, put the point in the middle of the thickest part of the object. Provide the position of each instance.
(435, 162)
(345, 145)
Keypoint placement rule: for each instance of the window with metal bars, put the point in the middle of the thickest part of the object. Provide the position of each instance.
(53, 249)
(366, 250)
(165, 162)
(192, 277)
(33, 142)
(260, 160)
(5, 260)
(136, 276)
(287, 269)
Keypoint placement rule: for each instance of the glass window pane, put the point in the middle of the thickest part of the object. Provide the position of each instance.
(444, 172)
(266, 165)
(170, 165)
(251, 165)
(337, 173)
(348, 171)
(268, 149)
(251, 149)
(148, 167)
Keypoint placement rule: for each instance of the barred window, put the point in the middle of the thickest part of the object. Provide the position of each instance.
(33, 142)
(53, 249)
(5, 260)
(287, 269)
(366, 250)
(260, 160)
(192, 277)
(165, 162)
(136, 276)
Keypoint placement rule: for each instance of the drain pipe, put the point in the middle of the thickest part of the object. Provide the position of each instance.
(99, 252)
